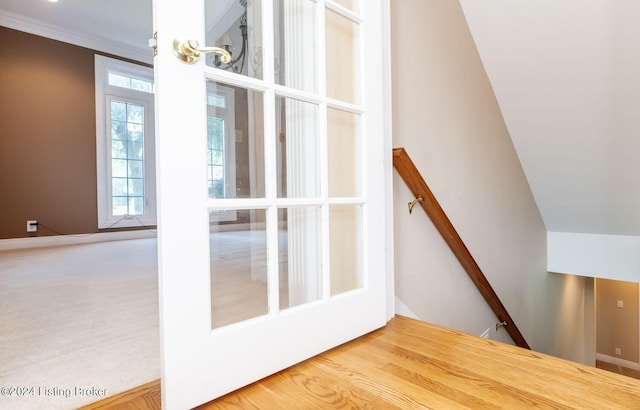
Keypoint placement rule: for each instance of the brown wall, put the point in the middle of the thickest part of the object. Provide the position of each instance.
(47, 136)
(617, 327)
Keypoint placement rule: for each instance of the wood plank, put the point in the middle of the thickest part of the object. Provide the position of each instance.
(412, 364)
(616, 368)
(145, 397)
(419, 188)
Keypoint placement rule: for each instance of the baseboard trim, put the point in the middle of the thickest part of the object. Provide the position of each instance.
(620, 362)
(62, 240)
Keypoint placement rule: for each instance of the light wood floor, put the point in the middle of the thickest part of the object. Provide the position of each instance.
(615, 368)
(415, 365)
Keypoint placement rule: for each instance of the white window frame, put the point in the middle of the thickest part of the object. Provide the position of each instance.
(105, 92)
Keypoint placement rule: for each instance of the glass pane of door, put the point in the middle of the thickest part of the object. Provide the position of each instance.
(295, 32)
(298, 149)
(235, 142)
(237, 237)
(345, 153)
(300, 256)
(345, 225)
(342, 58)
(350, 4)
(238, 268)
(235, 26)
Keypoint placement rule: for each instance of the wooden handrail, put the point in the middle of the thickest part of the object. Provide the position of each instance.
(411, 176)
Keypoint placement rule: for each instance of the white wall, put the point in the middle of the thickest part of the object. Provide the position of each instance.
(602, 256)
(445, 114)
(566, 76)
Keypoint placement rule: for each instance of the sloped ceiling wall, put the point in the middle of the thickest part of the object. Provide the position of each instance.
(566, 75)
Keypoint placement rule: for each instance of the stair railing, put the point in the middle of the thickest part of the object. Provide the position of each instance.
(411, 176)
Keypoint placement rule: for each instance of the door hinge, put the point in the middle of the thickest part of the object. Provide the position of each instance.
(153, 43)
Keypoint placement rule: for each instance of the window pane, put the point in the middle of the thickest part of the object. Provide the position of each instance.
(235, 143)
(118, 111)
(141, 85)
(238, 268)
(136, 187)
(136, 205)
(350, 4)
(300, 256)
(119, 80)
(216, 157)
(215, 133)
(344, 153)
(295, 41)
(235, 26)
(216, 188)
(136, 150)
(345, 237)
(216, 100)
(215, 144)
(119, 206)
(297, 148)
(217, 173)
(136, 169)
(125, 81)
(135, 132)
(119, 186)
(118, 130)
(135, 114)
(119, 168)
(342, 58)
(118, 149)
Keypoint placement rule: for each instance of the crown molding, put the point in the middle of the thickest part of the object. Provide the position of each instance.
(28, 25)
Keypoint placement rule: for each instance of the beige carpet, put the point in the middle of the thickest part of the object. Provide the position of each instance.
(77, 317)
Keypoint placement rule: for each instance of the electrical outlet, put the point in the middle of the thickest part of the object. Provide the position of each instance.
(618, 351)
(620, 304)
(32, 226)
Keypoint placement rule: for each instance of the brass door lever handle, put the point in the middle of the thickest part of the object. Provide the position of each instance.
(189, 51)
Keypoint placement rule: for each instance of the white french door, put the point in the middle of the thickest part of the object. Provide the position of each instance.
(304, 264)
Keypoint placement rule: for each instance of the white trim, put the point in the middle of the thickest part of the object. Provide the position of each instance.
(62, 240)
(345, 106)
(620, 362)
(343, 11)
(594, 255)
(388, 147)
(37, 27)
